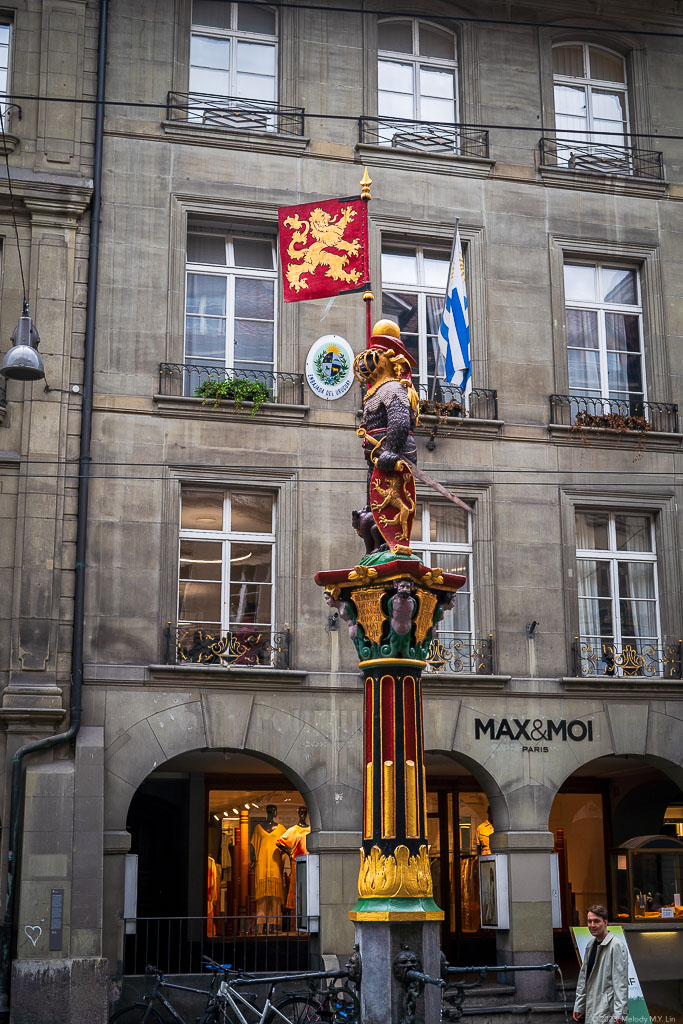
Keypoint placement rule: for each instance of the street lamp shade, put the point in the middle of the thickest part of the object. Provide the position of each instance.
(23, 361)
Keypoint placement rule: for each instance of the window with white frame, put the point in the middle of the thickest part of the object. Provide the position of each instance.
(617, 586)
(417, 78)
(4, 69)
(233, 55)
(414, 279)
(230, 302)
(226, 557)
(442, 537)
(590, 96)
(604, 323)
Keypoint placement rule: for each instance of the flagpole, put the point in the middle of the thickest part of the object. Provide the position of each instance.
(365, 183)
(448, 282)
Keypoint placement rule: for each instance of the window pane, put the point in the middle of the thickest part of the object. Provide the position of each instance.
(4, 35)
(201, 509)
(199, 602)
(401, 307)
(434, 42)
(417, 524)
(453, 561)
(579, 282)
(254, 298)
(256, 87)
(251, 562)
(393, 104)
(582, 328)
(256, 57)
(568, 60)
(255, 19)
(620, 286)
(253, 342)
(206, 294)
(436, 111)
(457, 620)
(399, 265)
(607, 67)
(595, 617)
(435, 304)
(200, 560)
(252, 252)
(592, 530)
(251, 513)
(206, 249)
(213, 13)
(436, 266)
(205, 338)
(633, 533)
(396, 36)
(624, 373)
(437, 83)
(570, 100)
(447, 524)
(395, 77)
(609, 110)
(209, 83)
(584, 370)
(207, 52)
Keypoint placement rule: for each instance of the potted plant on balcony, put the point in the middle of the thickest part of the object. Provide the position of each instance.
(236, 389)
(617, 421)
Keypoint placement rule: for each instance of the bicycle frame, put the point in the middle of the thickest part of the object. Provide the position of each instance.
(157, 995)
(225, 992)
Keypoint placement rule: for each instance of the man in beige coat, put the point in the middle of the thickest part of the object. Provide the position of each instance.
(602, 988)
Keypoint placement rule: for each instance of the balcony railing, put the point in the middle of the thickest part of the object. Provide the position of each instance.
(235, 112)
(242, 647)
(595, 157)
(447, 401)
(582, 411)
(451, 652)
(180, 379)
(631, 659)
(424, 136)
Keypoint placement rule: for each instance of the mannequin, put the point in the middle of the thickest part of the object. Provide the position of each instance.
(267, 861)
(293, 842)
(484, 833)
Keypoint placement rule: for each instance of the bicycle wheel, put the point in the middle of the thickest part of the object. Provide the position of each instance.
(344, 1006)
(298, 1010)
(136, 1013)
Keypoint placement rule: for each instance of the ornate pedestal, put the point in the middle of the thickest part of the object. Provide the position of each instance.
(391, 603)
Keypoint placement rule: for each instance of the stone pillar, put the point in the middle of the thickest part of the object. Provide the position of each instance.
(391, 602)
(529, 939)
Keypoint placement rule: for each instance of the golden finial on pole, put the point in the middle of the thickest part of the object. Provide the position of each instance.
(365, 183)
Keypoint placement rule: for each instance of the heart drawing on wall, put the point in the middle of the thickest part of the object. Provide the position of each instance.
(33, 932)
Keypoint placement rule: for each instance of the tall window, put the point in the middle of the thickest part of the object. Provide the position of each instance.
(230, 301)
(442, 537)
(617, 584)
(4, 70)
(590, 96)
(225, 578)
(414, 282)
(604, 333)
(233, 54)
(417, 76)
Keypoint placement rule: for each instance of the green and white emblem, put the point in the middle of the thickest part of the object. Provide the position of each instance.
(329, 367)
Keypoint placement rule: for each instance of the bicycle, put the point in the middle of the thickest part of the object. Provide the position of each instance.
(145, 1012)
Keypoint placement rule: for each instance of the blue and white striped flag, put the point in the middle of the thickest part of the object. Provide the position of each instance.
(454, 332)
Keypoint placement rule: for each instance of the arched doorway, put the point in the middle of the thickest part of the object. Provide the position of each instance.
(459, 822)
(618, 828)
(216, 836)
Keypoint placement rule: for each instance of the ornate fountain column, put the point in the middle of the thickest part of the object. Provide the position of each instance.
(391, 603)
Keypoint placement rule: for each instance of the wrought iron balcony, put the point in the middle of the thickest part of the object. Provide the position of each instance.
(447, 401)
(235, 112)
(451, 652)
(595, 157)
(643, 659)
(183, 379)
(424, 136)
(583, 411)
(243, 647)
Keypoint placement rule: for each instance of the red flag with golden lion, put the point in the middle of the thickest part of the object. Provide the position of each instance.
(323, 248)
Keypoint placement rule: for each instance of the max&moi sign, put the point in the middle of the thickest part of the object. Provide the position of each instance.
(534, 732)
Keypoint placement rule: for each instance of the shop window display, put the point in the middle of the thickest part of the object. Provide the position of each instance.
(647, 874)
(576, 820)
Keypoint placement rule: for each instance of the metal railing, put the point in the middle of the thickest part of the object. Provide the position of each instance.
(424, 136)
(644, 659)
(583, 411)
(604, 159)
(235, 112)
(183, 379)
(244, 647)
(448, 402)
(455, 991)
(176, 945)
(449, 652)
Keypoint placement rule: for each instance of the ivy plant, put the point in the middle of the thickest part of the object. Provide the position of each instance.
(237, 389)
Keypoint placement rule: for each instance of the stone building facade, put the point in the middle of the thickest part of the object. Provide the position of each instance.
(556, 698)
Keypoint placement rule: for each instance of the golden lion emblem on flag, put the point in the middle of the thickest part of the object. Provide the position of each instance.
(328, 233)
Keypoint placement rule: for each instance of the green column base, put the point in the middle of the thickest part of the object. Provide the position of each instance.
(396, 909)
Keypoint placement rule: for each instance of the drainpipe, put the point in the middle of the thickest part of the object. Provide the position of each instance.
(81, 537)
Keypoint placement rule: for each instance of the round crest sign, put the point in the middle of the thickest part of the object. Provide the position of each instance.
(329, 367)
